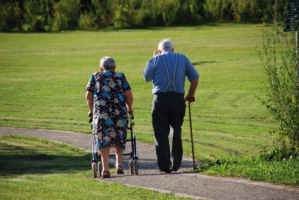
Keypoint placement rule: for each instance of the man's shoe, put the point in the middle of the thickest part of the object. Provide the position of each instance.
(174, 169)
(164, 171)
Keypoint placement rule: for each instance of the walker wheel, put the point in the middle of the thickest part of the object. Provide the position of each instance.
(131, 167)
(94, 169)
(100, 168)
(136, 166)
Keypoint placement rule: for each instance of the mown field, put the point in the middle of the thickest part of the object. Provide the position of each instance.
(43, 78)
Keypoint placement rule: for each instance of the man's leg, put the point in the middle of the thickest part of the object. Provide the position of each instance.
(176, 149)
(176, 121)
(161, 131)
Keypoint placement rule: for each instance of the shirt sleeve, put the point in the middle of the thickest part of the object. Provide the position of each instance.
(126, 85)
(148, 73)
(91, 84)
(191, 71)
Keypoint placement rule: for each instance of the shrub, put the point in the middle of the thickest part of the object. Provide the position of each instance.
(102, 16)
(281, 95)
(66, 15)
(35, 15)
(10, 17)
(218, 11)
(280, 153)
(87, 21)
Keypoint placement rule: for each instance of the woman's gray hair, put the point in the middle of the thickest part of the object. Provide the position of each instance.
(107, 63)
(165, 44)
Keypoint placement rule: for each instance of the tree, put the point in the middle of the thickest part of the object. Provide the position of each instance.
(66, 14)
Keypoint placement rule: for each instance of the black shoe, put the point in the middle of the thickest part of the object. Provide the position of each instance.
(174, 169)
(163, 171)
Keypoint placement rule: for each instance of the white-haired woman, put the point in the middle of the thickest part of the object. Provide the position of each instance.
(109, 99)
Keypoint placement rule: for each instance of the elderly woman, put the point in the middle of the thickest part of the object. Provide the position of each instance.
(109, 99)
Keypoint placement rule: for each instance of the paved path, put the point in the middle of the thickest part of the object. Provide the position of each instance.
(181, 183)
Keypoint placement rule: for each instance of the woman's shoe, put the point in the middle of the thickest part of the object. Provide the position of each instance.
(105, 174)
(120, 170)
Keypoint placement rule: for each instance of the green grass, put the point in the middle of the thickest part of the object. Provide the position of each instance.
(255, 168)
(43, 78)
(33, 168)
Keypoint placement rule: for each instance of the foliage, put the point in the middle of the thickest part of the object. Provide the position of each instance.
(30, 15)
(220, 11)
(279, 152)
(281, 96)
(66, 15)
(238, 11)
(10, 16)
(87, 21)
(36, 16)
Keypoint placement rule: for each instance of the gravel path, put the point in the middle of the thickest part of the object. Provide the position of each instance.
(181, 183)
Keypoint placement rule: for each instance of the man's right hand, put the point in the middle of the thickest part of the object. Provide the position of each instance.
(190, 99)
(156, 52)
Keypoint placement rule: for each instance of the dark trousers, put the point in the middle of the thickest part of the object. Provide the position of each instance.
(168, 111)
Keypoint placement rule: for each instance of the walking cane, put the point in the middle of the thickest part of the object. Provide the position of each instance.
(190, 120)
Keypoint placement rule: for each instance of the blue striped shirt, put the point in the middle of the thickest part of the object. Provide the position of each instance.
(168, 72)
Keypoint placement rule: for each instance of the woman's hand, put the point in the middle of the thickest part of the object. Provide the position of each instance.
(130, 110)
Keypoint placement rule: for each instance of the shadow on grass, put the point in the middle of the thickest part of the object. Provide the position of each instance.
(203, 62)
(40, 158)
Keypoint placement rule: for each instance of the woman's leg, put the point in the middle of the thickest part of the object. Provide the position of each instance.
(105, 158)
(119, 156)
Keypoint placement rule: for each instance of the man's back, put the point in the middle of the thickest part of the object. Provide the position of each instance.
(168, 72)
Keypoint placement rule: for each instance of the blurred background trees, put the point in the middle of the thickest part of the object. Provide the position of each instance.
(56, 15)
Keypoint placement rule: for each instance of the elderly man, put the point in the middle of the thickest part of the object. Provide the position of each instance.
(168, 71)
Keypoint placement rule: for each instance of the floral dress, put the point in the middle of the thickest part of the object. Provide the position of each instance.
(110, 117)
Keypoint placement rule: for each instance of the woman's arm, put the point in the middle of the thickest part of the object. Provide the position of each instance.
(89, 101)
(129, 100)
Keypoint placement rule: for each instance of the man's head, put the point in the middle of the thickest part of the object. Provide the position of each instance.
(165, 44)
(107, 63)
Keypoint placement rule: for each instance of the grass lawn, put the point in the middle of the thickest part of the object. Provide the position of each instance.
(43, 78)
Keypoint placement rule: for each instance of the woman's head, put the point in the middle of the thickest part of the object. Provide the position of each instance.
(107, 63)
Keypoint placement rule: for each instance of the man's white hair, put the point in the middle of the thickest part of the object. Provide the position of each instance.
(165, 44)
